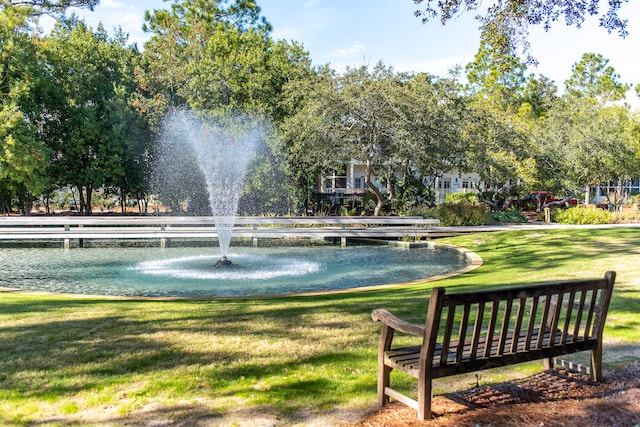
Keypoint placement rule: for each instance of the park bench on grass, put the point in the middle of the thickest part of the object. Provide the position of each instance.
(471, 331)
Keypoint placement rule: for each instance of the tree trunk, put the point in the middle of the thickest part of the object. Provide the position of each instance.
(587, 195)
(374, 189)
(81, 197)
(390, 190)
(491, 203)
(85, 194)
(88, 209)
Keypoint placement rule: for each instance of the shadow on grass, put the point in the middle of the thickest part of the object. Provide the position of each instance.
(279, 357)
(55, 349)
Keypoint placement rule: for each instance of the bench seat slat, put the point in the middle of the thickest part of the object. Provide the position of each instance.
(407, 359)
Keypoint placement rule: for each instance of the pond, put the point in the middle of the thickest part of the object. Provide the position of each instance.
(189, 271)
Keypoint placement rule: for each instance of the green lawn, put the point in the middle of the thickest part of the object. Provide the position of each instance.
(277, 361)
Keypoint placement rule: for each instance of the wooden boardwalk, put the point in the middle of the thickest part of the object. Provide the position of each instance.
(67, 228)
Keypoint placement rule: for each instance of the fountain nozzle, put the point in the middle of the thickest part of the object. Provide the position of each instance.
(223, 263)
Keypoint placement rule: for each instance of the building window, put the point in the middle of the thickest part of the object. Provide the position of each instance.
(465, 184)
(359, 183)
(447, 184)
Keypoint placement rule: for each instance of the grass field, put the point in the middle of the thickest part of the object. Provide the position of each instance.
(272, 361)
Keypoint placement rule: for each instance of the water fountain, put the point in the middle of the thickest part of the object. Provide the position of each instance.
(223, 148)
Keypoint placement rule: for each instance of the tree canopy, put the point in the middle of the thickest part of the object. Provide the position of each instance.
(97, 130)
(512, 18)
(46, 7)
(392, 123)
(82, 109)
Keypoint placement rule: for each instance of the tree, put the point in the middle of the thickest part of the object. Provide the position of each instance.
(392, 123)
(181, 36)
(309, 151)
(244, 71)
(512, 18)
(432, 115)
(217, 56)
(23, 156)
(502, 101)
(496, 149)
(538, 97)
(590, 135)
(35, 8)
(496, 74)
(95, 129)
(351, 117)
(585, 143)
(594, 78)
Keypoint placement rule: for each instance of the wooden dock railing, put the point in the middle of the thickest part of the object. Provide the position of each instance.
(67, 228)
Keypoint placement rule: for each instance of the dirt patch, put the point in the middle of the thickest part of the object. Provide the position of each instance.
(552, 398)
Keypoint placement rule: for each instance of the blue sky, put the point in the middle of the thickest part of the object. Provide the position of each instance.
(363, 32)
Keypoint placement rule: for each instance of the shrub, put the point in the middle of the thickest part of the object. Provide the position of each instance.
(461, 198)
(583, 215)
(423, 211)
(509, 216)
(454, 214)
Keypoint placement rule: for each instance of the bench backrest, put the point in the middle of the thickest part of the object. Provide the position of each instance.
(548, 319)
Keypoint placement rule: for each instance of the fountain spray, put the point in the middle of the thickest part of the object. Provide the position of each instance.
(224, 147)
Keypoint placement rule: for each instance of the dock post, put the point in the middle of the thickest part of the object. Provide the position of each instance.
(343, 242)
(80, 240)
(66, 239)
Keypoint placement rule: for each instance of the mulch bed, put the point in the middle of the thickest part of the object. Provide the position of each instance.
(551, 398)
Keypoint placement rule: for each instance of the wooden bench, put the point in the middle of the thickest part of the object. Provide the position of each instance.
(471, 331)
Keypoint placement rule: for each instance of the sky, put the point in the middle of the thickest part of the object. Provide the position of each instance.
(353, 33)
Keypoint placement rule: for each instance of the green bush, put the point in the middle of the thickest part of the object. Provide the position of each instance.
(423, 211)
(509, 216)
(455, 214)
(458, 197)
(583, 215)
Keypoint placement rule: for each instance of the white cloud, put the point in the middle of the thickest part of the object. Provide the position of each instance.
(354, 49)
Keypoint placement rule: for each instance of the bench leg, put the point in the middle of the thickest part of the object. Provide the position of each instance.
(424, 398)
(384, 371)
(384, 378)
(596, 363)
(548, 363)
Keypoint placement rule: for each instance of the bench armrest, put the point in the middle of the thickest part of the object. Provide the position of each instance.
(394, 322)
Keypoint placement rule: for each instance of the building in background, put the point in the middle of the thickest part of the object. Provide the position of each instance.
(345, 188)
